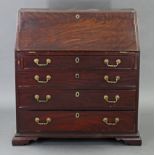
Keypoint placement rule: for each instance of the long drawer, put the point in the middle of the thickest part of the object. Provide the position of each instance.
(94, 79)
(83, 62)
(49, 99)
(90, 121)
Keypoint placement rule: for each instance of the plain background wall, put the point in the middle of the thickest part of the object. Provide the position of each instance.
(8, 22)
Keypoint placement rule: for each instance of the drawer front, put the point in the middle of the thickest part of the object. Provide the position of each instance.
(45, 99)
(77, 79)
(96, 121)
(88, 62)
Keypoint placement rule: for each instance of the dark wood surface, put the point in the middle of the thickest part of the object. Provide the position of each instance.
(93, 31)
(24, 139)
(66, 99)
(88, 79)
(66, 121)
(85, 62)
(94, 37)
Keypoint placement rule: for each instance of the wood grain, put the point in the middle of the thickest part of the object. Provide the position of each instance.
(65, 79)
(94, 37)
(66, 100)
(24, 139)
(67, 122)
(93, 31)
(85, 62)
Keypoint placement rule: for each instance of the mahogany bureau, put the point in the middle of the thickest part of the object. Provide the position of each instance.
(77, 75)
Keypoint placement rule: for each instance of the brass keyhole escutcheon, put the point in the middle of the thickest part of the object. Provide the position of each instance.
(77, 75)
(77, 94)
(77, 115)
(77, 60)
(77, 16)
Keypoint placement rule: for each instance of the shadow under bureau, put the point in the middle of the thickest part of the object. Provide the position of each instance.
(77, 75)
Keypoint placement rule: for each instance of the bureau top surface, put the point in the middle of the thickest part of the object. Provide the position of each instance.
(47, 30)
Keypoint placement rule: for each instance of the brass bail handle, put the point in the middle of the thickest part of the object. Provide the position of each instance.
(107, 122)
(48, 77)
(106, 78)
(118, 61)
(46, 122)
(36, 61)
(37, 98)
(106, 98)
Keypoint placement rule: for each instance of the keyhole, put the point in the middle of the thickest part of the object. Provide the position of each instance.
(77, 94)
(77, 16)
(77, 115)
(77, 75)
(77, 60)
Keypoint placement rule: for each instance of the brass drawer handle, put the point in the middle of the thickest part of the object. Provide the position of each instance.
(118, 61)
(77, 94)
(106, 121)
(36, 61)
(106, 78)
(48, 77)
(77, 60)
(106, 98)
(37, 98)
(47, 121)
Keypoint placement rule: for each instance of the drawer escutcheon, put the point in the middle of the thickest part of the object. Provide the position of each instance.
(77, 94)
(77, 75)
(77, 60)
(77, 16)
(77, 115)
